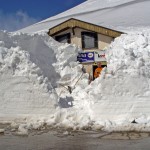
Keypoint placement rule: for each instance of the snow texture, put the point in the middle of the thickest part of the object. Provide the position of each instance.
(121, 15)
(35, 72)
(42, 84)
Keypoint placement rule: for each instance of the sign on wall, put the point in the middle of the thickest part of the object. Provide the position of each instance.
(99, 56)
(95, 56)
(85, 57)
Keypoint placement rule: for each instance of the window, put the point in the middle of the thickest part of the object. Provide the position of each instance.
(65, 38)
(89, 40)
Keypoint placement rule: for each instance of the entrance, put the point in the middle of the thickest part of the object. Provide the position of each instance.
(97, 71)
(94, 68)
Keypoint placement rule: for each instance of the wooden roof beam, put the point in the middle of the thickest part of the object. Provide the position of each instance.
(72, 23)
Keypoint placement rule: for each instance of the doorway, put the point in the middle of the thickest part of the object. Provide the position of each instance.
(94, 67)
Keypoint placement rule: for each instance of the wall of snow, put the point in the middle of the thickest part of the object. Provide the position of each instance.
(27, 74)
(35, 71)
(122, 92)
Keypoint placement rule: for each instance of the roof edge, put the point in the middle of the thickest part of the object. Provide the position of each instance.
(93, 27)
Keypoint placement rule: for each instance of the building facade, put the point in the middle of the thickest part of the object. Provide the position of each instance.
(91, 38)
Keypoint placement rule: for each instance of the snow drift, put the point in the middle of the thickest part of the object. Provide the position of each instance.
(35, 71)
(116, 14)
(27, 75)
(122, 93)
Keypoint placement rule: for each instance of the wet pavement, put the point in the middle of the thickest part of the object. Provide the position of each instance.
(68, 140)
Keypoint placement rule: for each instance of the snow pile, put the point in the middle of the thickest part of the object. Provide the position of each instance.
(121, 94)
(42, 84)
(35, 71)
(24, 89)
(27, 75)
(130, 54)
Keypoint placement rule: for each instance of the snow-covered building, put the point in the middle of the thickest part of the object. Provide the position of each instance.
(91, 38)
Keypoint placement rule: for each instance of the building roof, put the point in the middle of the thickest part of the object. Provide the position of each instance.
(75, 23)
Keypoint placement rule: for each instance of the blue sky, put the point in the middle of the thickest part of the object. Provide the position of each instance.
(16, 14)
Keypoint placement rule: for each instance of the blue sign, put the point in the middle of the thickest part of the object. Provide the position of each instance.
(85, 57)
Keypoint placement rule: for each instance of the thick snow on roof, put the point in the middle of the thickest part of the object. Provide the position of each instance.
(116, 14)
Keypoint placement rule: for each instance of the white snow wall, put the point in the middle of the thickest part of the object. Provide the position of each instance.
(123, 90)
(27, 74)
(31, 65)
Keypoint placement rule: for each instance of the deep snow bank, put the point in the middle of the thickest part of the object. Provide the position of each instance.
(122, 93)
(25, 89)
(27, 74)
(35, 72)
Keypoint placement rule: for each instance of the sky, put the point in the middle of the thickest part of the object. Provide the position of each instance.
(17, 14)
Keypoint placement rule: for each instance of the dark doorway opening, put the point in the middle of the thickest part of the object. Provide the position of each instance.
(94, 69)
